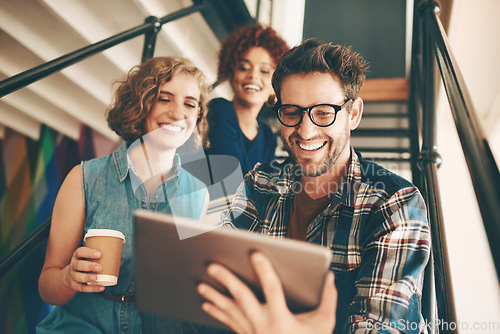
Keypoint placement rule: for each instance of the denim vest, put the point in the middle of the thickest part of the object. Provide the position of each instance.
(110, 201)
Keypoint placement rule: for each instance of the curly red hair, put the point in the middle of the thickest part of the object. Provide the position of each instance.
(237, 44)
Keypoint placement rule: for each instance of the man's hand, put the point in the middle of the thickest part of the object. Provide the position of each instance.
(245, 314)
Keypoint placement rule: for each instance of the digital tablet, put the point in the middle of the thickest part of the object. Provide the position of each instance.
(172, 254)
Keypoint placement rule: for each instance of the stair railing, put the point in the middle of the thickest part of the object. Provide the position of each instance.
(230, 12)
(25, 247)
(149, 28)
(480, 161)
(429, 36)
(430, 45)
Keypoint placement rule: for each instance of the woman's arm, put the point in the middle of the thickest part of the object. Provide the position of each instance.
(67, 268)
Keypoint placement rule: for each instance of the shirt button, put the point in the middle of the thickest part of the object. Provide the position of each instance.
(130, 291)
(125, 327)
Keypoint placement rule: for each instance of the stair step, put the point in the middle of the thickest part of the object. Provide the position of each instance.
(384, 115)
(400, 132)
(398, 150)
(386, 159)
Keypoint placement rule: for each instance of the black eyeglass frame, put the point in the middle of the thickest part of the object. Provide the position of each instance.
(337, 108)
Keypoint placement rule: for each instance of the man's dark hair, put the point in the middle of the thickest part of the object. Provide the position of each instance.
(312, 55)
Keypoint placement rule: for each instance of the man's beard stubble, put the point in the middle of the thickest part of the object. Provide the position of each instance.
(323, 166)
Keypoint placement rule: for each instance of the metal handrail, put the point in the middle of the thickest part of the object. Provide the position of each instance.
(429, 45)
(429, 303)
(480, 161)
(443, 284)
(34, 74)
(150, 29)
(429, 161)
(25, 247)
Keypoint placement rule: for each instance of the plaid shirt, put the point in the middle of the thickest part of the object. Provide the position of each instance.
(376, 227)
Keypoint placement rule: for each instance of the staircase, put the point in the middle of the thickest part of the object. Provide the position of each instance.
(383, 136)
(33, 32)
(28, 29)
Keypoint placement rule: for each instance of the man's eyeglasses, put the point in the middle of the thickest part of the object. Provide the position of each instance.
(322, 115)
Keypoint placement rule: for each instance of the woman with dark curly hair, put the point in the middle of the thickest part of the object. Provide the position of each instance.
(158, 108)
(247, 59)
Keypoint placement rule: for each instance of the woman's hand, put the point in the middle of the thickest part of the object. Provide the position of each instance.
(82, 270)
(245, 314)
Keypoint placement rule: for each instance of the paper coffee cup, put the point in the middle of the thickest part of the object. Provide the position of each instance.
(109, 243)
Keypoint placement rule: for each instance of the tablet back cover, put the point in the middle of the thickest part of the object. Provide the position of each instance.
(169, 265)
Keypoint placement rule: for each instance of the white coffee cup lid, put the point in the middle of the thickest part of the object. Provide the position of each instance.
(101, 232)
(106, 280)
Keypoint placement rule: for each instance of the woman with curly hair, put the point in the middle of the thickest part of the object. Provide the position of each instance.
(158, 108)
(247, 58)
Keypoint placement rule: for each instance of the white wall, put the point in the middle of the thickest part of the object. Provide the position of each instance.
(285, 16)
(473, 37)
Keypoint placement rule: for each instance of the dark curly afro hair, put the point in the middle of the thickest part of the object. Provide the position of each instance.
(237, 44)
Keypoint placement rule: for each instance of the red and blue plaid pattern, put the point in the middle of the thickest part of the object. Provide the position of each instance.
(376, 227)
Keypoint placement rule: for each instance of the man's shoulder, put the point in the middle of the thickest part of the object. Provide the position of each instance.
(270, 174)
(273, 168)
(381, 178)
(266, 181)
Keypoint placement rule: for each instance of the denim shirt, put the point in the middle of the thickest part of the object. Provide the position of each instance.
(110, 201)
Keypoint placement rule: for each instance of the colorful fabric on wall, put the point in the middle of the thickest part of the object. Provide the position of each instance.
(46, 180)
(16, 209)
(85, 143)
(66, 156)
(16, 213)
(103, 145)
(31, 173)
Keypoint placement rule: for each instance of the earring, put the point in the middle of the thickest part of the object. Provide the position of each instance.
(271, 101)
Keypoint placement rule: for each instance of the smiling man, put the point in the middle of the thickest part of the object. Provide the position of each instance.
(374, 222)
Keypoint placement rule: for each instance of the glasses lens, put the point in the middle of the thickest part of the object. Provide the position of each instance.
(323, 115)
(289, 115)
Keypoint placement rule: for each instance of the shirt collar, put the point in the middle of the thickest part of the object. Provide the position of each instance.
(125, 167)
(121, 163)
(173, 178)
(352, 182)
